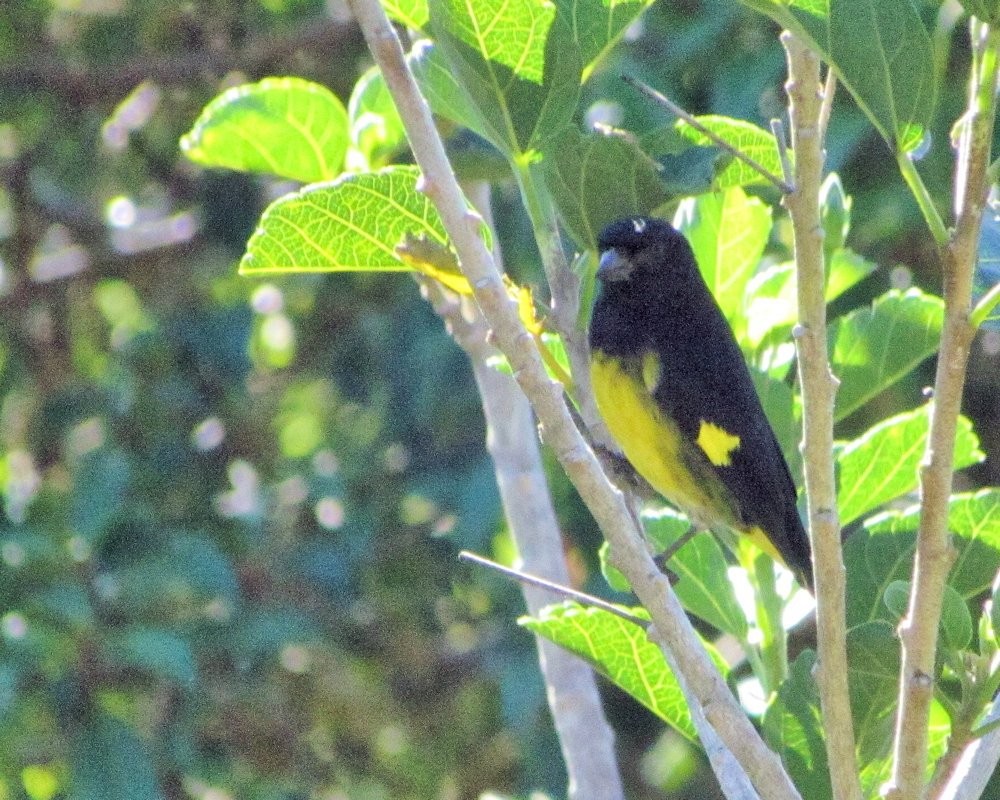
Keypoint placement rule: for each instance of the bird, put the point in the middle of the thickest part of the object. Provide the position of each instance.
(674, 390)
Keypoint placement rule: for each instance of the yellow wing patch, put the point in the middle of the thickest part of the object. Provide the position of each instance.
(652, 441)
(716, 443)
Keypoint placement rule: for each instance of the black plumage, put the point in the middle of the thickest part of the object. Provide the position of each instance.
(657, 325)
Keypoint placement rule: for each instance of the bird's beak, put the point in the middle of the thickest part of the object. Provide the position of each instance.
(614, 266)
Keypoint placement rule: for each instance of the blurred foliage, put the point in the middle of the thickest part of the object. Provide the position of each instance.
(230, 505)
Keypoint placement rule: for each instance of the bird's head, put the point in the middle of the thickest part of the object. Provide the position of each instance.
(639, 248)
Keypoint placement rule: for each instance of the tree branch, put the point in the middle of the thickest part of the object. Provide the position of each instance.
(606, 504)
(819, 388)
(586, 739)
(935, 554)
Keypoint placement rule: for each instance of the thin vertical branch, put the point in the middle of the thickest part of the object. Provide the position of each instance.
(605, 503)
(935, 554)
(819, 388)
(586, 739)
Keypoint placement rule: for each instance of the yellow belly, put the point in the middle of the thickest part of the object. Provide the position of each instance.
(656, 448)
(652, 443)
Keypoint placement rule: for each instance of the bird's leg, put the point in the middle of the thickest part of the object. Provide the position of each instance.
(664, 558)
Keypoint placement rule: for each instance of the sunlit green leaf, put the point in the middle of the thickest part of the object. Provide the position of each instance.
(408, 13)
(357, 223)
(974, 520)
(375, 125)
(746, 137)
(883, 463)
(517, 64)
(703, 585)
(284, 126)
(727, 231)
(882, 552)
(772, 293)
(874, 347)
(583, 171)
(442, 89)
(622, 652)
(835, 214)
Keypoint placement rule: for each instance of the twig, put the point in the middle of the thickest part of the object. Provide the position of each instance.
(677, 111)
(558, 589)
(829, 90)
(987, 303)
(778, 131)
(605, 504)
(935, 554)
(923, 197)
(731, 775)
(819, 388)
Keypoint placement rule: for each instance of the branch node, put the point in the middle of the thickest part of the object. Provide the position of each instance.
(921, 680)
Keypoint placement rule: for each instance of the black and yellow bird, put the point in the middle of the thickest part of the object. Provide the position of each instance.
(672, 386)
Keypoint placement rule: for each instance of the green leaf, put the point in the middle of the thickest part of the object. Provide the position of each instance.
(597, 25)
(986, 10)
(746, 137)
(835, 214)
(284, 126)
(441, 88)
(357, 223)
(872, 348)
(109, 762)
(727, 231)
(375, 126)
(702, 572)
(891, 77)
(772, 304)
(955, 627)
(872, 562)
(882, 552)
(157, 651)
(883, 463)
(778, 403)
(518, 65)
(974, 520)
(793, 727)
(103, 478)
(596, 178)
(956, 621)
(408, 13)
(845, 269)
(622, 652)
(872, 675)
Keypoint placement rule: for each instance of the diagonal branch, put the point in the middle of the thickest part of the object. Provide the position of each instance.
(586, 739)
(604, 503)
